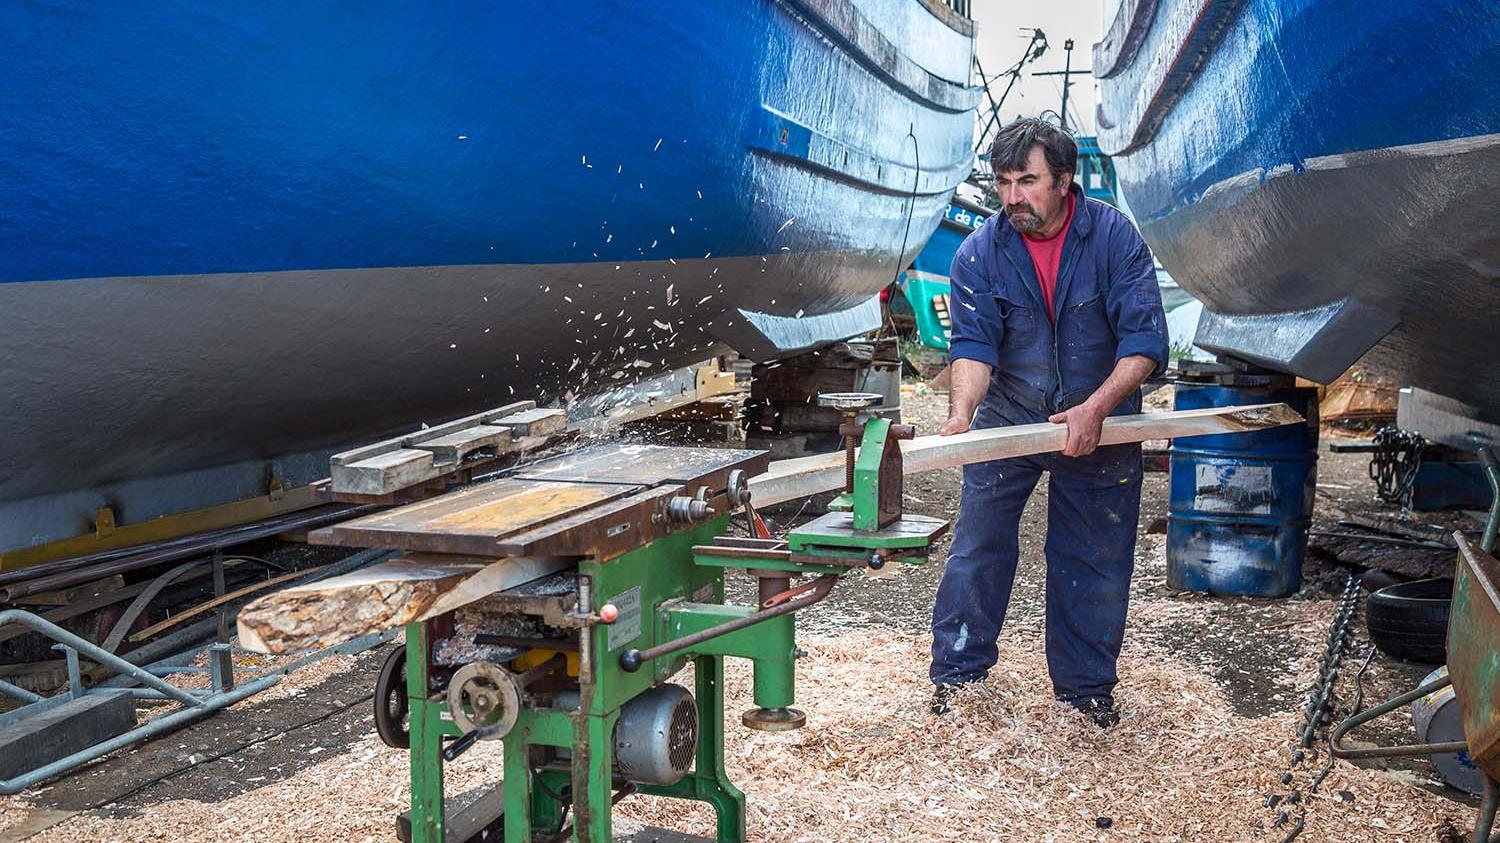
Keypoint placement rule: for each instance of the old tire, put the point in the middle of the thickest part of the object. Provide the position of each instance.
(1410, 620)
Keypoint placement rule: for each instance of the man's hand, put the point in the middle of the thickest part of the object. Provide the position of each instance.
(968, 382)
(1085, 423)
(955, 424)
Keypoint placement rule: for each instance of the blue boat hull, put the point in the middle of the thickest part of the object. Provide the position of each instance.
(233, 241)
(1321, 174)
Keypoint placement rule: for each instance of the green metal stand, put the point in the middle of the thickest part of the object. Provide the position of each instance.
(640, 617)
(708, 782)
(536, 801)
(427, 732)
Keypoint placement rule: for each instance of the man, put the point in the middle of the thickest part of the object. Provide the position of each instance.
(1056, 318)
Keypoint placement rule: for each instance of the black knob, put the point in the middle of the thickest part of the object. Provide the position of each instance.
(462, 745)
(630, 660)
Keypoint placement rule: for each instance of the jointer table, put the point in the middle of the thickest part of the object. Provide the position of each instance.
(571, 671)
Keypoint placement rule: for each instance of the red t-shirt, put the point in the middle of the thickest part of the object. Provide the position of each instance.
(1046, 257)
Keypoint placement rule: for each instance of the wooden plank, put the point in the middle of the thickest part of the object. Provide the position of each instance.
(534, 422)
(68, 596)
(383, 473)
(455, 446)
(497, 576)
(381, 597)
(470, 521)
(409, 439)
(798, 478)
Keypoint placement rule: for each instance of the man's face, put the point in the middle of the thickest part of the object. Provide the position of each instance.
(1033, 200)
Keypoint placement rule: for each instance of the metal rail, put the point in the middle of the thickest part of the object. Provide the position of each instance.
(194, 706)
(196, 703)
(632, 659)
(64, 573)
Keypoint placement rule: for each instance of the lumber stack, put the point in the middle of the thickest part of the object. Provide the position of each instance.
(396, 464)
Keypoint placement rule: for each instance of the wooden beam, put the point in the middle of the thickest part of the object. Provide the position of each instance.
(798, 478)
(385, 596)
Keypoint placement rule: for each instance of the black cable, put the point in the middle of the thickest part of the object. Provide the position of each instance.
(911, 201)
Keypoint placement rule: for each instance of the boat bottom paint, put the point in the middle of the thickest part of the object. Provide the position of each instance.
(1405, 234)
(199, 389)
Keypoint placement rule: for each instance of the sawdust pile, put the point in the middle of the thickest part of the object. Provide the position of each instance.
(1011, 764)
(873, 766)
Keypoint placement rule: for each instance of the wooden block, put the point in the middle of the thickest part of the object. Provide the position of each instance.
(55, 728)
(406, 440)
(467, 816)
(384, 473)
(534, 422)
(453, 447)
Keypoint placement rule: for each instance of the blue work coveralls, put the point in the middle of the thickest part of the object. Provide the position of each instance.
(1106, 307)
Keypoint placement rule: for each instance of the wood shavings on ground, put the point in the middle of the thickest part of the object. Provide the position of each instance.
(1011, 764)
(872, 765)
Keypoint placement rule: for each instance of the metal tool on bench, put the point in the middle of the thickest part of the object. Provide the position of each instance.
(572, 672)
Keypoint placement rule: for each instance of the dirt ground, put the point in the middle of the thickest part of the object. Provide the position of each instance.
(1211, 694)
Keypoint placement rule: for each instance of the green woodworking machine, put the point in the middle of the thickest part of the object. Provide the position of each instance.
(574, 672)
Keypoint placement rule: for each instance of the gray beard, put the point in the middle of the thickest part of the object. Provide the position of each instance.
(1025, 223)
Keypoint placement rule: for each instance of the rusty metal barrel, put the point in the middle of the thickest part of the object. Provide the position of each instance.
(1240, 504)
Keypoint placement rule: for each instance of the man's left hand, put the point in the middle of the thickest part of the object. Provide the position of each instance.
(1085, 424)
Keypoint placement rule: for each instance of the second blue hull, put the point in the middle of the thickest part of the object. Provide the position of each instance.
(1321, 174)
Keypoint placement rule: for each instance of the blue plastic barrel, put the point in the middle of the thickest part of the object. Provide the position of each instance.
(1241, 503)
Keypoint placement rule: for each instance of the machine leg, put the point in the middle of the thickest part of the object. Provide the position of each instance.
(1487, 809)
(712, 782)
(593, 780)
(518, 789)
(426, 741)
(708, 782)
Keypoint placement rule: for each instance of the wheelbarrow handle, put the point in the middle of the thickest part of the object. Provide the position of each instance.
(1335, 740)
(1491, 467)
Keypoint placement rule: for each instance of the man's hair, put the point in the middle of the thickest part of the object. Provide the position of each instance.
(1013, 146)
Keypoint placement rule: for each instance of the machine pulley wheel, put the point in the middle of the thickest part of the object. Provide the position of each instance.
(737, 489)
(485, 696)
(391, 703)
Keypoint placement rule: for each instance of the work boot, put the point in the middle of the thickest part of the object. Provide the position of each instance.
(942, 696)
(1100, 710)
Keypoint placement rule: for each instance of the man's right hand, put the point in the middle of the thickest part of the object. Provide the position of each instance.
(970, 379)
(955, 424)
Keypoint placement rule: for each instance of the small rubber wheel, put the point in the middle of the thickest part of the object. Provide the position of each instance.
(391, 704)
(1410, 620)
